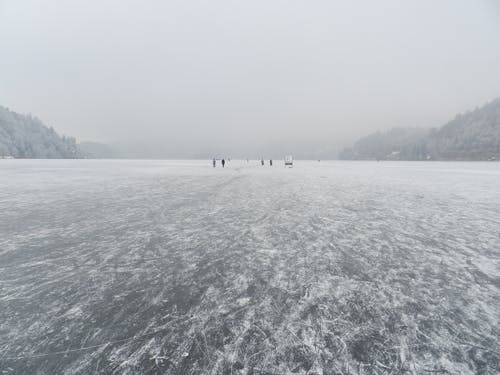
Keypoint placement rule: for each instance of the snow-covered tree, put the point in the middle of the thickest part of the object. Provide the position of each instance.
(25, 136)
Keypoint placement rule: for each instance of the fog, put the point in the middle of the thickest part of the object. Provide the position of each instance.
(197, 78)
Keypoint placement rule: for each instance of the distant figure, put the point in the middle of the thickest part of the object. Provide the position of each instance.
(271, 162)
(262, 161)
(223, 163)
(213, 162)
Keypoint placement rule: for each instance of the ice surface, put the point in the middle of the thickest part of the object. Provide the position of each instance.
(174, 267)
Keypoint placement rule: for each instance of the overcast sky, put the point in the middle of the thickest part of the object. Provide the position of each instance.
(188, 77)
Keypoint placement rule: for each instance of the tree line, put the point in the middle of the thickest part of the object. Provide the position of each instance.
(25, 136)
(473, 135)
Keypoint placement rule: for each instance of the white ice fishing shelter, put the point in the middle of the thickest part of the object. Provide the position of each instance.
(288, 161)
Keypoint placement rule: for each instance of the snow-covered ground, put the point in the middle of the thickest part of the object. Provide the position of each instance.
(174, 267)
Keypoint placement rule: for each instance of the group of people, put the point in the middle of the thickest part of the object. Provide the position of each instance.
(214, 162)
(223, 162)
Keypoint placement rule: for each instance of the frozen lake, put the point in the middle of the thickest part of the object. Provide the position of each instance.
(174, 267)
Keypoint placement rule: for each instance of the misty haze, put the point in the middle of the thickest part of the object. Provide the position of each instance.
(280, 187)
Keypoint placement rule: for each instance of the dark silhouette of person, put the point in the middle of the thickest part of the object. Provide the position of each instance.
(271, 162)
(223, 163)
(213, 162)
(262, 161)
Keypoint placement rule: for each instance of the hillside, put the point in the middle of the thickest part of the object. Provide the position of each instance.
(474, 135)
(24, 136)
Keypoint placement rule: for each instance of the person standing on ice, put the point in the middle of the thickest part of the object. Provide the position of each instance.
(213, 162)
(271, 162)
(262, 161)
(223, 163)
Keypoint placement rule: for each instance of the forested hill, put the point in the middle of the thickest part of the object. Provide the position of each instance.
(24, 136)
(474, 135)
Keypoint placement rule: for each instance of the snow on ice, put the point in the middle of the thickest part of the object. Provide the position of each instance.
(174, 267)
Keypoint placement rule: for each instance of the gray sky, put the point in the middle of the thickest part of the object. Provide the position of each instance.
(192, 77)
